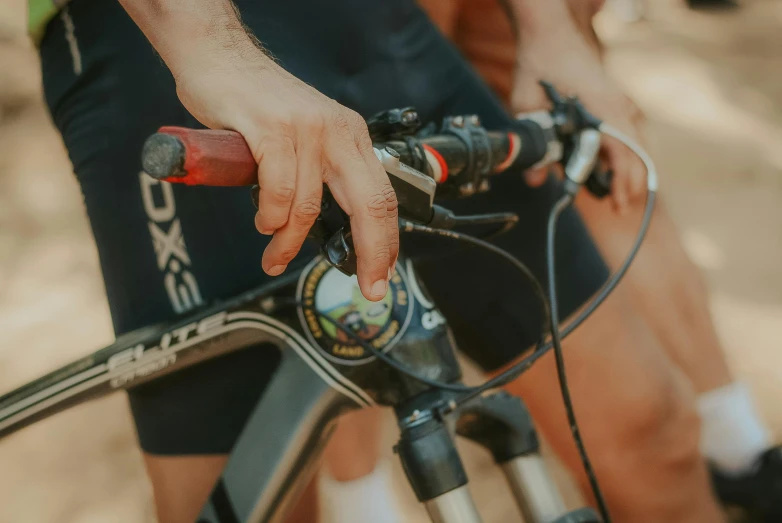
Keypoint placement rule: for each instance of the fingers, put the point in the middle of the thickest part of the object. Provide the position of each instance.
(536, 177)
(304, 210)
(329, 144)
(629, 182)
(361, 188)
(375, 169)
(277, 181)
(637, 180)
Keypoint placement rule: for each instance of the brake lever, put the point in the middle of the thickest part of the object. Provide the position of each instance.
(415, 196)
(579, 134)
(340, 253)
(414, 193)
(329, 232)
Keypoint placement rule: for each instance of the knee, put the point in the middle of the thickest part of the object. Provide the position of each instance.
(659, 431)
(594, 6)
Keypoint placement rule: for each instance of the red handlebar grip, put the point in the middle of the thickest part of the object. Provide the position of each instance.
(199, 157)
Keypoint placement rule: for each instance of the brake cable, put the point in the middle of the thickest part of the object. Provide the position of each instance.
(401, 367)
(550, 307)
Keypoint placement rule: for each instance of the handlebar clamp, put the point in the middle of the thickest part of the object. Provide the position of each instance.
(479, 152)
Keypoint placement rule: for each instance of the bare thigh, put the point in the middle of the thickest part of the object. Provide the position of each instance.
(182, 484)
(637, 416)
(666, 288)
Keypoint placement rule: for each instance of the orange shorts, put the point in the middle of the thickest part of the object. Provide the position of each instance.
(482, 31)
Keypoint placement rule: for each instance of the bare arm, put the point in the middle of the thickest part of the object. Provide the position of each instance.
(299, 137)
(583, 13)
(553, 47)
(186, 32)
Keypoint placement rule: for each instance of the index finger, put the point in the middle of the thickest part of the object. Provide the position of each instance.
(366, 149)
(367, 203)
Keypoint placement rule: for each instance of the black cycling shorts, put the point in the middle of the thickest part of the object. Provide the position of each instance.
(166, 249)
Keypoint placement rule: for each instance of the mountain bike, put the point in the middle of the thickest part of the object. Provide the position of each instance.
(340, 352)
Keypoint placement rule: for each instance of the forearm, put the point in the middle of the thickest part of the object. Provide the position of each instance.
(551, 45)
(583, 12)
(194, 31)
(536, 19)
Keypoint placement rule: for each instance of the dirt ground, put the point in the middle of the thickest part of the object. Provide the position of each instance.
(711, 86)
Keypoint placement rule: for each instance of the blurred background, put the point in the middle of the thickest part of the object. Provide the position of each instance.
(710, 85)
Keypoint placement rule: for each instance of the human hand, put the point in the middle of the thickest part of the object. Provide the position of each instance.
(573, 67)
(300, 139)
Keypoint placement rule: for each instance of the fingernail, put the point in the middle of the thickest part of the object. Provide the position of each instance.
(379, 288)
(276, 270)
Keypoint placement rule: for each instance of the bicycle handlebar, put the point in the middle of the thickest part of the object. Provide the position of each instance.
(460, 156)
(223, 158)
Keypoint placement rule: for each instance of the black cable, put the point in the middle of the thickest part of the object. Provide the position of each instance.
(483, 244)
(513, 372)
(519, 368)
(543, 347)
(468, 391)
(609, 286)
(508, 219)
(556, 339)
(444, 218)
(385, 358)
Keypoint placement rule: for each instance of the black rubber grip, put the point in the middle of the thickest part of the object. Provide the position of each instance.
(534, 145)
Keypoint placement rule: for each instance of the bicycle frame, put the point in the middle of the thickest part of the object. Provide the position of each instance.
(317, 379)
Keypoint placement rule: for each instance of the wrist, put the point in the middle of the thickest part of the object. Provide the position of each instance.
(225, 48)
(187, 35)
(200, 58)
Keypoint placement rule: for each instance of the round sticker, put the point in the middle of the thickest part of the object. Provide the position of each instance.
(338, 296)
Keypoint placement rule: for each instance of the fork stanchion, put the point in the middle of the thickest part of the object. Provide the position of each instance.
(536, 493)
(455, 506)
(502, 424)
(434, 469)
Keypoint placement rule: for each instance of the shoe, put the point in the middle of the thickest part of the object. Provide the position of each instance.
(758, 493)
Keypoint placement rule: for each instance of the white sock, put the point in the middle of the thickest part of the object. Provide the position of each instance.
(732, 433)
(362, 500)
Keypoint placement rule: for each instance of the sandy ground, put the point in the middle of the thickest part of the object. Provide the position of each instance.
(710, 85)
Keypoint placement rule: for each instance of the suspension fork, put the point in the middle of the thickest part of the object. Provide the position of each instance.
(502, 425)
(434, 469)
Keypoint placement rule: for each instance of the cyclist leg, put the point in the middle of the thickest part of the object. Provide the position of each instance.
(637, 414)
(438, 82)
(673, 301)
(163, 249)
(352, 451)
(356, 486)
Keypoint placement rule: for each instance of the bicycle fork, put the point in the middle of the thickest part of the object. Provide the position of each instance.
(500, 423)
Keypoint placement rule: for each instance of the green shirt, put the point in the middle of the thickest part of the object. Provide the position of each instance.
(39, 12)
